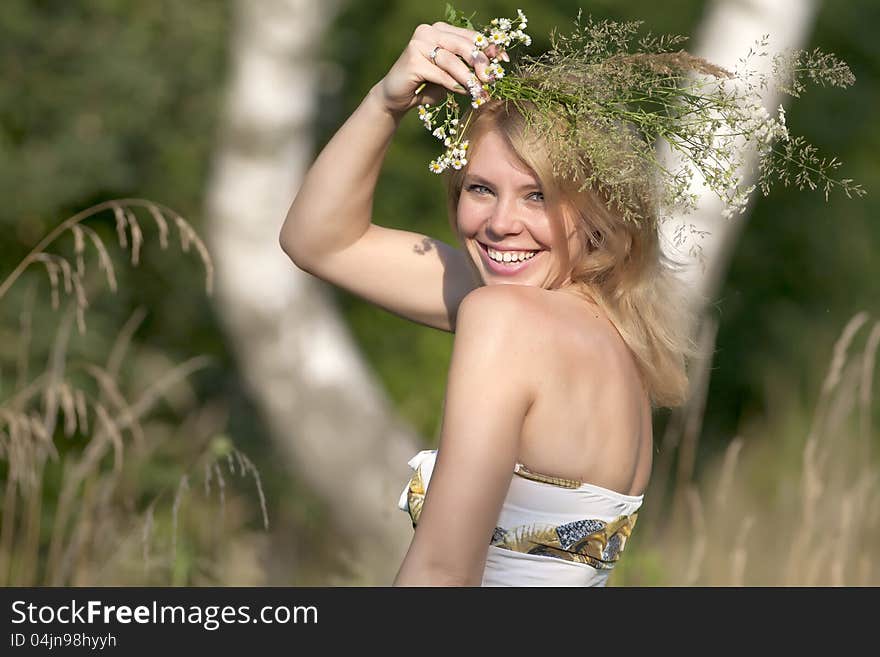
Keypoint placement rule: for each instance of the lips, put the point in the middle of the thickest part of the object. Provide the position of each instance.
(506, 269)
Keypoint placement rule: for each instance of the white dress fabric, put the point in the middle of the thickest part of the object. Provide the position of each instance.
(550, 532)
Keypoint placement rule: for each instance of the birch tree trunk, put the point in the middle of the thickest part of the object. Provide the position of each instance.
(726, 33)
(728, 30)
(326, 413)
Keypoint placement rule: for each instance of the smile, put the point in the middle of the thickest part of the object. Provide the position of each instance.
(507, 263)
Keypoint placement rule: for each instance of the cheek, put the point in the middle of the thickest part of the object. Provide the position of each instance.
(467, 216)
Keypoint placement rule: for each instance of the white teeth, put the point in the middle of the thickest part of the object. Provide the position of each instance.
(510, 256)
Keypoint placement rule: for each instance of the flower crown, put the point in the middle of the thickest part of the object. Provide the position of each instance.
(608, 102)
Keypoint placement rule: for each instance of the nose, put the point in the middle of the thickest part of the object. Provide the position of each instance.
(504, 220)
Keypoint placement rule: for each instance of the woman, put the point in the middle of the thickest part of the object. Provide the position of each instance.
(564, 333)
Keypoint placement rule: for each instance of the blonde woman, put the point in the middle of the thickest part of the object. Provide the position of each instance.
(567, 332)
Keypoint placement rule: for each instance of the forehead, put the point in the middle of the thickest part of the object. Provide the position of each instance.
(493, 157)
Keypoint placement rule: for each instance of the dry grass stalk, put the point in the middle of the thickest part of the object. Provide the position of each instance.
(126, 222)
(182, 487)
(697, 401)
(740, 552)
(698, 543)
(93, 517)
(865, 390)
(728, 468)
(246, 466)
(822, 511)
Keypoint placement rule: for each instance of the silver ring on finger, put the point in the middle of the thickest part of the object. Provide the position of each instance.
(434, 51)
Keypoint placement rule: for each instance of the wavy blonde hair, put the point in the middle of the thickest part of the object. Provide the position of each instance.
(620, 264)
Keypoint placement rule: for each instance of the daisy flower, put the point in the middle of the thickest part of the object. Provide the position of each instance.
(499, 37)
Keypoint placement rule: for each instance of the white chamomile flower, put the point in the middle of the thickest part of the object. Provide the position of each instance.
(521, 16)
(448, 124)
(522, 37)
(499, 37)
(495, 70)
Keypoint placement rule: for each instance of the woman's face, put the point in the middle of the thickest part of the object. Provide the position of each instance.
(503, 220)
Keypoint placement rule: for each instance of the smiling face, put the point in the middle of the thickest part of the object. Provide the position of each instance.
(505, 223)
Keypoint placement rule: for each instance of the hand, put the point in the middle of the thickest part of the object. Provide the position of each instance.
(448, 71)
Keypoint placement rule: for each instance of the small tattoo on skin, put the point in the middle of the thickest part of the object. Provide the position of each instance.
(426, 246)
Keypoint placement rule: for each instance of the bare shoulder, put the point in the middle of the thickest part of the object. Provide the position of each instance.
(499, 326)
(499, 304)
(538, 317)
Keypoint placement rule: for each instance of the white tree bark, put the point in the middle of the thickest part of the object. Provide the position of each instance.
(326, 412)
(729, 29)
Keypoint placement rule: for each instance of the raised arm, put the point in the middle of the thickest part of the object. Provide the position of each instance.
(329, 230)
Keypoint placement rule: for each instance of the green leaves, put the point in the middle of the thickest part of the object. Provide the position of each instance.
(458, 18)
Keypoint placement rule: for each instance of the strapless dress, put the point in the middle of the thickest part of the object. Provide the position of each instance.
(550, 532)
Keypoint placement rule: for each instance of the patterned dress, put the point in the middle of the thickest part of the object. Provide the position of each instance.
(550, 532)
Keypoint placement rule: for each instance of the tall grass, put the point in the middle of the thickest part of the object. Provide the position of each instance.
(797, 504)
(97, 487)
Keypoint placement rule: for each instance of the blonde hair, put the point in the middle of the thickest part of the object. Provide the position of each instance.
(621, 266)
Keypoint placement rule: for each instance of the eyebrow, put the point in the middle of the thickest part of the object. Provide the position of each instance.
(474, 178)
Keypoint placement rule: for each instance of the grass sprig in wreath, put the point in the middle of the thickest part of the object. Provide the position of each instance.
(603, 98)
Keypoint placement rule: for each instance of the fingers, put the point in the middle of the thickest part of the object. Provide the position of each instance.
(447, 61)
(490, 51)
(432, 94)
(435, 76)
(456, 55)
(458, 64)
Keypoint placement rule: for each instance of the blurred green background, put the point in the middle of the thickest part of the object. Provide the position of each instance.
(105, 99)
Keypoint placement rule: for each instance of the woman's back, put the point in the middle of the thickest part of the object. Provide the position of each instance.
(584, 450)
(591, 418)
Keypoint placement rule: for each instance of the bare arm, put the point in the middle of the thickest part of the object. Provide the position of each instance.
(333, 207)
(329, 230)
(488, 395)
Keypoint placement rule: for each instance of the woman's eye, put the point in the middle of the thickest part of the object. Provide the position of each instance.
(537, 196)
(479, 189)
